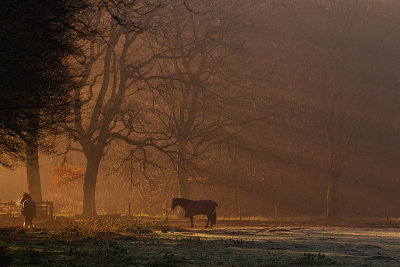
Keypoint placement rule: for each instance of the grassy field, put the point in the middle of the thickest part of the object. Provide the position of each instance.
(129, 241)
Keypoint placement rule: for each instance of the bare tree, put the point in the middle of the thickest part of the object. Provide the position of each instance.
(194, 95)
(338, 50)
(101, 113)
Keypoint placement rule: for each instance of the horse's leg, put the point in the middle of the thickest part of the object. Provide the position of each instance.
(191, 221)
(25, 222)
(208, 221)
(214, 217)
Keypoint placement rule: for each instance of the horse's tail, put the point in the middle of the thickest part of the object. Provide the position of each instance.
(214, 217)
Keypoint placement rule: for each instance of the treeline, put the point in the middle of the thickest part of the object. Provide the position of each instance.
(329, 144)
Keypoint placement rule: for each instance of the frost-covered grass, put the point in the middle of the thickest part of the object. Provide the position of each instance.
(128, 241)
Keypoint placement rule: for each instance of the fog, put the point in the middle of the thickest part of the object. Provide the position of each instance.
(287, 108)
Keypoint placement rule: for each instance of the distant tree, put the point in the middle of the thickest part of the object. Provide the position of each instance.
(336, 62)
(197, 96)
(67, 174)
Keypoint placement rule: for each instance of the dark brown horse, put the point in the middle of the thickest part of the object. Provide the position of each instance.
(196, 207)
(28, 209)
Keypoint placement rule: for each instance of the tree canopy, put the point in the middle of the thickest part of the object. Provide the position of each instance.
(36, 69)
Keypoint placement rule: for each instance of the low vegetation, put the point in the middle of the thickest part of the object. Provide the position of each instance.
(127, 241)
(313, 259)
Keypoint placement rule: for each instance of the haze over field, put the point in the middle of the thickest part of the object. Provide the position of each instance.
(274, 123)
(287, 107)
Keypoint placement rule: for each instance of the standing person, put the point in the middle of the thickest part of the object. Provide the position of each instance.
(28, 209)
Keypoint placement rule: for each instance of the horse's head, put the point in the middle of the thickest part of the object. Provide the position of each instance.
(25, 197)
(174, 203)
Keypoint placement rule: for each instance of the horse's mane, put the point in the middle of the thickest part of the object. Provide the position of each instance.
(183, 199)
(25, 197)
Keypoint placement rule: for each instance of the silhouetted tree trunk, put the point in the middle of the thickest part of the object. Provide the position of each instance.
(184, 188)
(339, 151)
(331, 197)
(236, 195)
(32, 162)
(89, 186)
(183, 174)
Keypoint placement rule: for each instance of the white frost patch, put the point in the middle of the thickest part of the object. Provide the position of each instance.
(345, 246)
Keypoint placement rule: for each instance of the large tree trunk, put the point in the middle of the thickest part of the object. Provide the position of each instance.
(89, 186)
(184, 186)
(183, 183)
(32, 164)
(331, 197)
(236, 195)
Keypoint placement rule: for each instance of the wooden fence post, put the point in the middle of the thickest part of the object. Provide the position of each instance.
(51, 210)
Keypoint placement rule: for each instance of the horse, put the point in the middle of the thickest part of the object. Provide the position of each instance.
(196, 207)
(28, 209)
